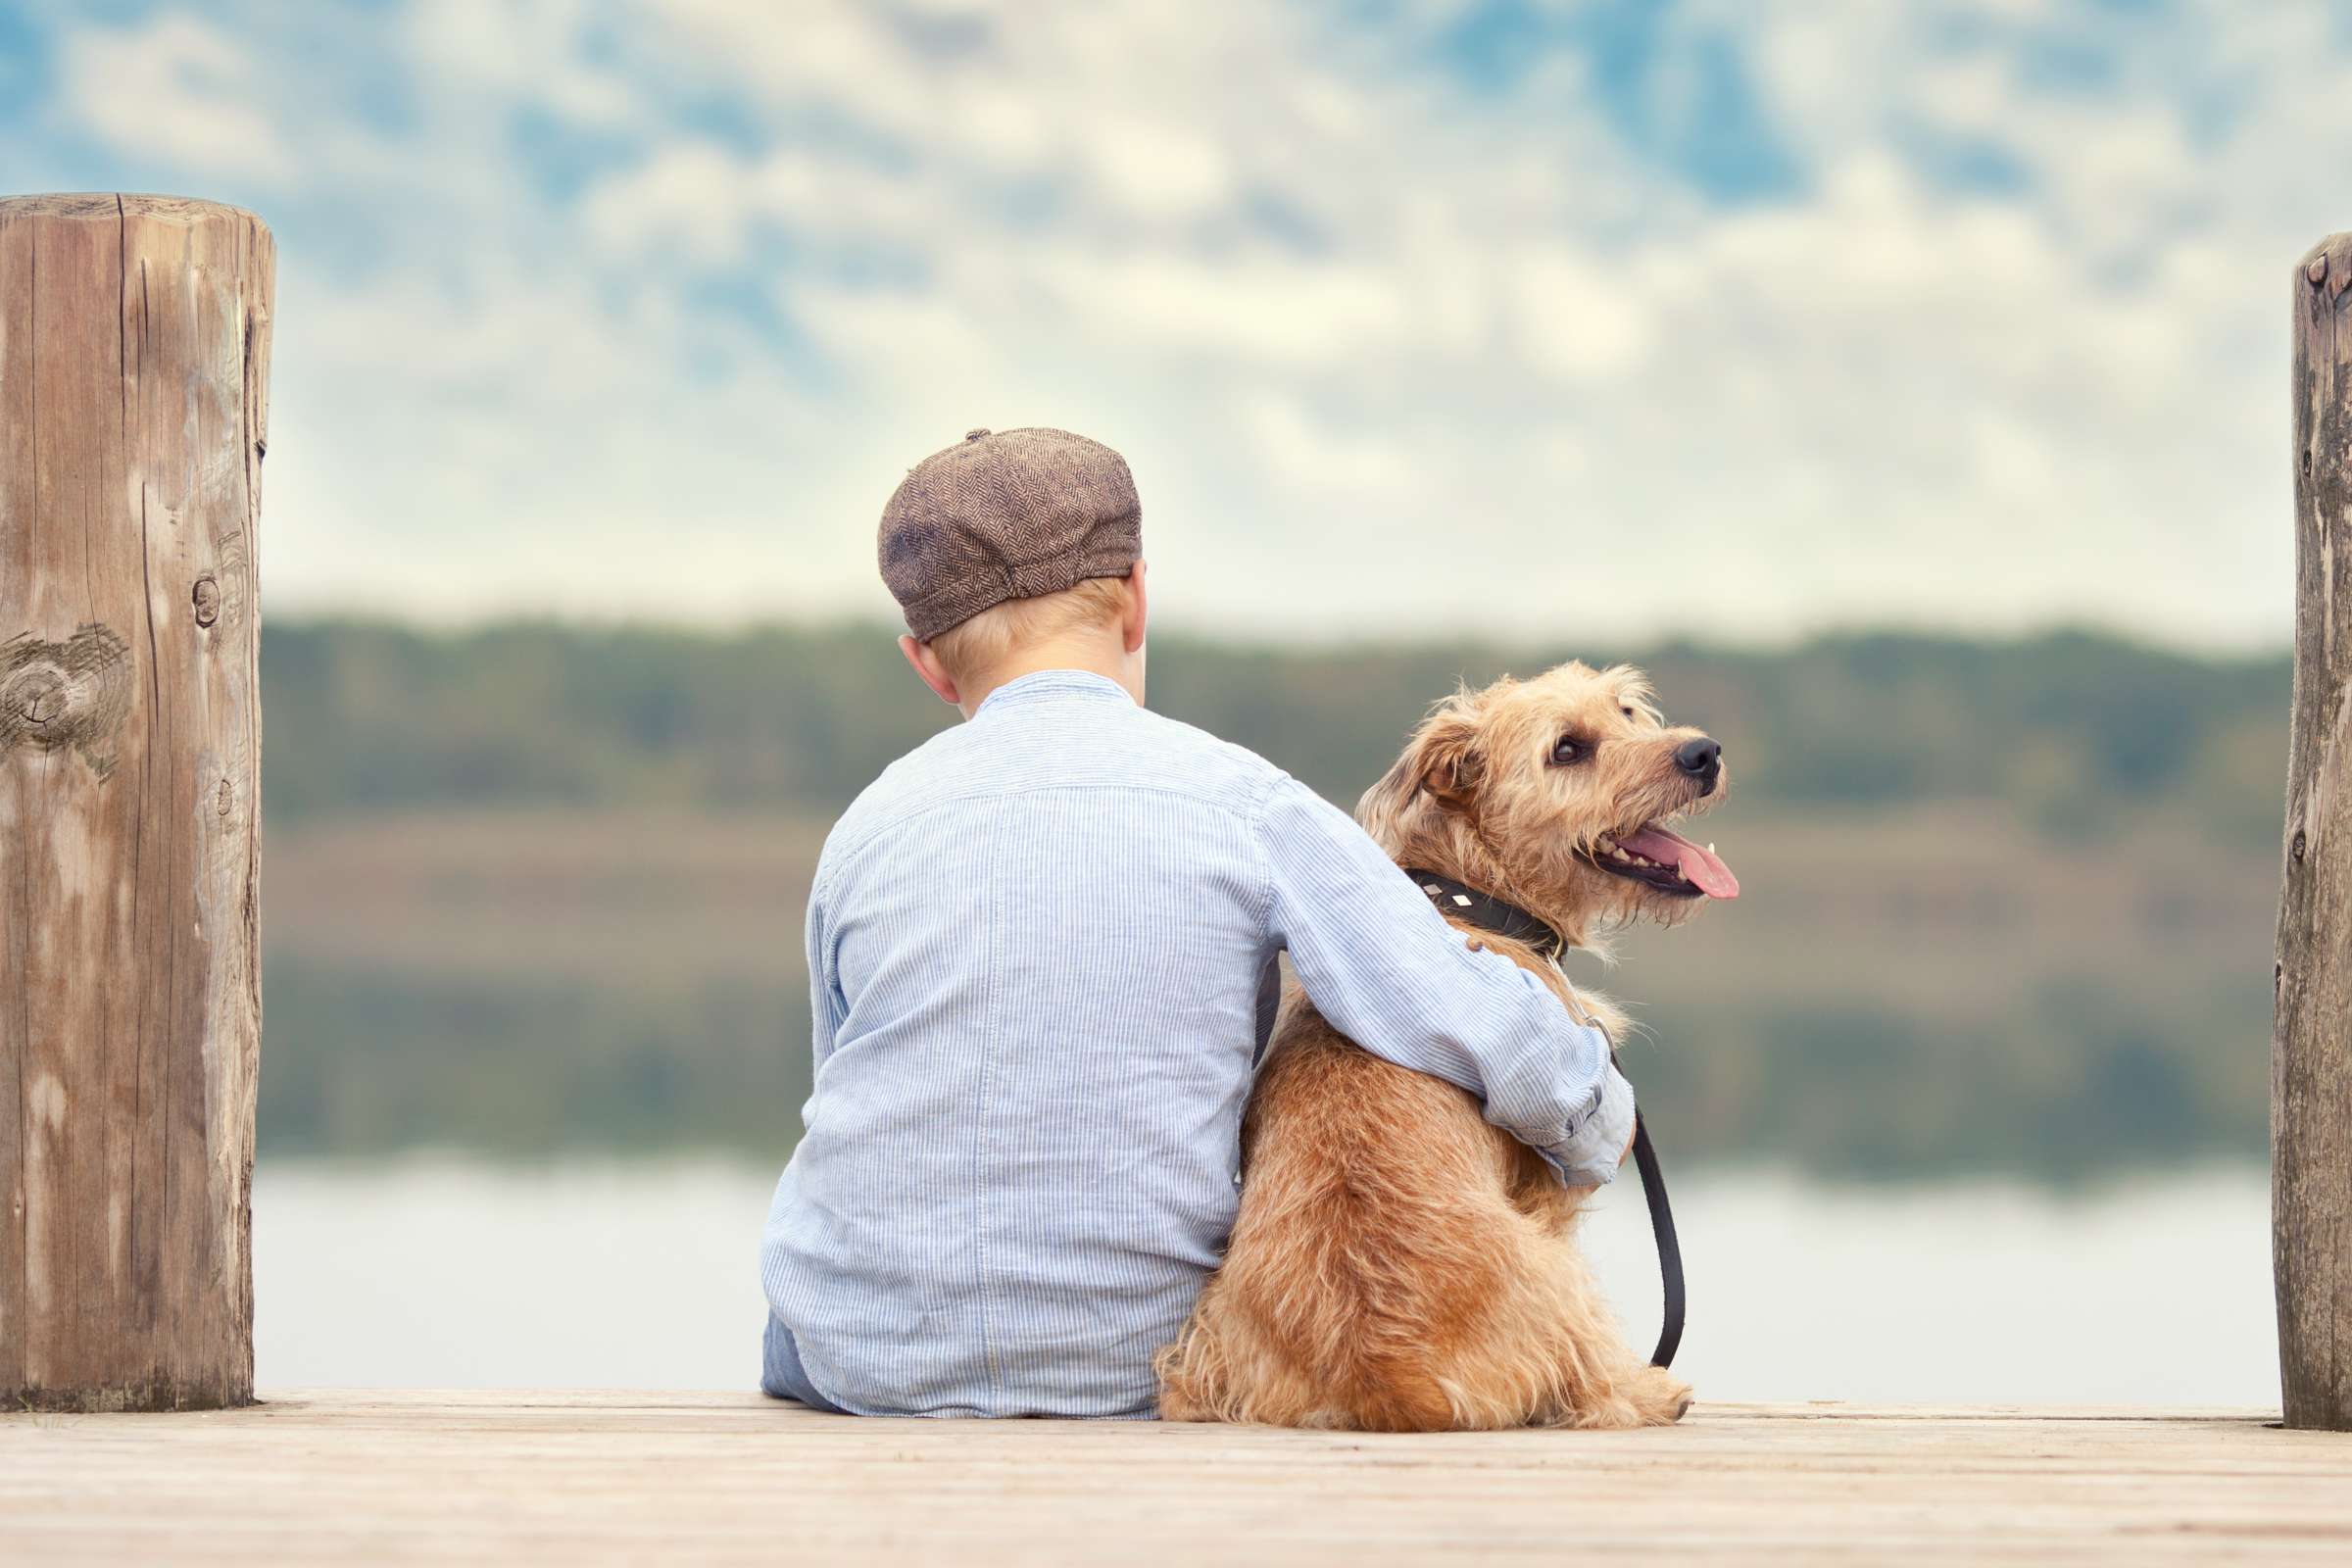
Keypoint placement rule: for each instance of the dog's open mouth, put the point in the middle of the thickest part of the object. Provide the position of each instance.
(1666, 860)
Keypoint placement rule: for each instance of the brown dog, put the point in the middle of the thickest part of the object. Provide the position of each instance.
(1398, 1264)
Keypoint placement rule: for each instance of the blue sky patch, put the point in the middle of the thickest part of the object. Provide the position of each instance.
(1684, 100)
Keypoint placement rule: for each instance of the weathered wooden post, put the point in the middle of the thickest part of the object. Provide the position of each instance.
(134, 355)
(2311, 1042)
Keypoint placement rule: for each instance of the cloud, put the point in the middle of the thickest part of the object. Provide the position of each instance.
(1577, 319)
(177, 91)
(520, 51)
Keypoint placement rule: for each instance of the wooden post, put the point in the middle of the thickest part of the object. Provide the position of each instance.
(135, 354)
(2311, 1042)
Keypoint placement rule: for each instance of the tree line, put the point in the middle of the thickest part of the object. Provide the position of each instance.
(2066, 728)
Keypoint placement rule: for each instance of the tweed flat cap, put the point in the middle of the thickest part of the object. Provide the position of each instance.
(1006, 515)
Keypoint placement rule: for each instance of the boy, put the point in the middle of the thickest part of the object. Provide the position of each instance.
(1042, 960)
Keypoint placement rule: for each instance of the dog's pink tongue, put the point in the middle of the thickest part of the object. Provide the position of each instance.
(1700, 866)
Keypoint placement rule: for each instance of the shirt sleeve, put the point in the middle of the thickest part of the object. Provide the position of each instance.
(1384, 969)
(826, 1006)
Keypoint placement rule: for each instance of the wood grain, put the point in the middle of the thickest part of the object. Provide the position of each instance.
(2311, 1049)
(605, 1476)
(135, 339)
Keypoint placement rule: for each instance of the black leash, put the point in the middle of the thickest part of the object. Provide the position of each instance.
(1490, 914)
(1661, 1230)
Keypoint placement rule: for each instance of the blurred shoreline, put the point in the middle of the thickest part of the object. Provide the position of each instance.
(537, 890)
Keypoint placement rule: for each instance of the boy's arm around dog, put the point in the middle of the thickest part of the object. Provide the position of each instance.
(1386, 969)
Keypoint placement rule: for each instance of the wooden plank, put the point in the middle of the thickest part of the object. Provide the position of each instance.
(605, 1476)
(129, 751)
(2311, 1049)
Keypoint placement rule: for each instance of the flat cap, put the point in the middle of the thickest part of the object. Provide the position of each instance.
(1006, 515)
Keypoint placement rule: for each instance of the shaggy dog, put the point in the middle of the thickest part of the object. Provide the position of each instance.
(1400, 1263)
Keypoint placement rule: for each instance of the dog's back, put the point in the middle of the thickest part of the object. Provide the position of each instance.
(1398, 1264)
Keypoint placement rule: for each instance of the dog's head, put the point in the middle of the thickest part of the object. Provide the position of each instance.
(1557, 794)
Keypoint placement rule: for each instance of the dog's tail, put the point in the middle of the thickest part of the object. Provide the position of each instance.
(1193, 1381)
(1226, 1367)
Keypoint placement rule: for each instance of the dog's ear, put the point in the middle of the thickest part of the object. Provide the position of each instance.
(1440, 766)
(1446, 759)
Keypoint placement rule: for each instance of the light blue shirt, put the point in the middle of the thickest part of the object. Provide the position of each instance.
(1042, 955)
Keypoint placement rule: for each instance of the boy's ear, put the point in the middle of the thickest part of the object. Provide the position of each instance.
(926, 664)
(1131, 626)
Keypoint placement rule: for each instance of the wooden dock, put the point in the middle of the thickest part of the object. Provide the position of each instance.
(724, 1477)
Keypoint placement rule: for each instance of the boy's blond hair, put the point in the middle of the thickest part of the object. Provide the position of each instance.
(987, 639)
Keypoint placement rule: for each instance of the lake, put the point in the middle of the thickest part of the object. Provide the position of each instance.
(462, 1273)
(1985, 1003)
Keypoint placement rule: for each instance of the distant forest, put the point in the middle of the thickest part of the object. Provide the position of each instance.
(2068, 731)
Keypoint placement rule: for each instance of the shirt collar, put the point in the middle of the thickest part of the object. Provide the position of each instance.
(1045, 685)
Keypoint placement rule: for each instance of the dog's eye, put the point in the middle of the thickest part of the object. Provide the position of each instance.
(1626, 711)
(1567, 749)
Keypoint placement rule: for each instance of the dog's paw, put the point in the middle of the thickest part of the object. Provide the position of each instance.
(1660, 1397)
(1644, 1397)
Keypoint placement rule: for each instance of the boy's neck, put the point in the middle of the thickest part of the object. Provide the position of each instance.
(1102, 655)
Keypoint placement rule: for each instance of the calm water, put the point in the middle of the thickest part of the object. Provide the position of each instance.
(463, 1274)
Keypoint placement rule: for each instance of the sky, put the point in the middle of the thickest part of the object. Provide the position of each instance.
(1413, 317)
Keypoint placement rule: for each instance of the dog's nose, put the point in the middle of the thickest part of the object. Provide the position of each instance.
(1701, 759)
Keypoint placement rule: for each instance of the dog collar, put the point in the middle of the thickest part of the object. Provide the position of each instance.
(1487, 912)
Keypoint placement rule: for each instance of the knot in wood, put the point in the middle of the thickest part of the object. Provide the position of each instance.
(73, 693)
(37, 694)
(207, 598)
(2295, 849)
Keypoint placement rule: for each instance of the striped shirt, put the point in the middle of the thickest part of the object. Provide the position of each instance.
(1042, 956)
